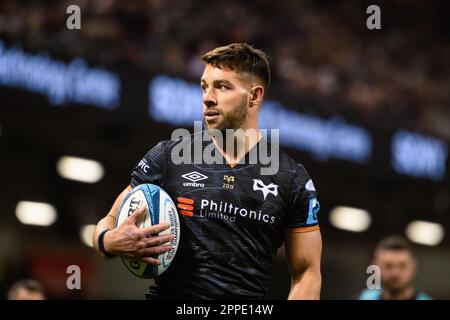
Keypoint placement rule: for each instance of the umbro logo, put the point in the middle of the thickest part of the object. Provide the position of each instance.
(194, 177)
(271, 188)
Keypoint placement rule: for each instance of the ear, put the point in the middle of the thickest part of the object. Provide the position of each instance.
(256, 96)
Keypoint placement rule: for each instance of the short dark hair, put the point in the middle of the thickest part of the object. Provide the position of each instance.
(241, 57)
(28, 284)
(397, 243)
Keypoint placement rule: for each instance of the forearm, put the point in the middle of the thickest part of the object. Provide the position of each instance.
(307, 287)
(108, 222)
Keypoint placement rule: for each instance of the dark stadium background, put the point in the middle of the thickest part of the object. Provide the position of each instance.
(325, 63)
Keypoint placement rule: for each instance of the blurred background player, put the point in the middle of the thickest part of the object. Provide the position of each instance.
(27, 289)
(398, 267)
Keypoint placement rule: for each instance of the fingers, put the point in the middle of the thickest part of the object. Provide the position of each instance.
(151, 261)
(157, 228)
(133, 218)
(147, 252)
(144, 244)
(158, 240)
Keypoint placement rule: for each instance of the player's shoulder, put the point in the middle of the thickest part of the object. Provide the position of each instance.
(375, 294)
(190, 139)
(293, 173)
(157, 150)
(370, 294)
(290, 165)
(423, 296)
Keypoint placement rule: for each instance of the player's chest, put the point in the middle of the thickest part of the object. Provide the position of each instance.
(226, 189)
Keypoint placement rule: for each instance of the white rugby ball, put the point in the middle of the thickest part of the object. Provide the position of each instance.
(160, 208)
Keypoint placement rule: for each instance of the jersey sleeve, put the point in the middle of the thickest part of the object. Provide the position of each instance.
(303, 204)
(151, 168)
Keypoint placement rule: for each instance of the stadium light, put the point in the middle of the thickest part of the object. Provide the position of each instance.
(35, 213)
(79, 169)
(350, 219)
(424, 232)
(86, 233)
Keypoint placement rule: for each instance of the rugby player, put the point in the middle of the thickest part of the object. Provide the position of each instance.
(233, 219)
(398, 268)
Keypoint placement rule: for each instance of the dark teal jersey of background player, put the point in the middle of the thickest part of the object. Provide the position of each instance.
(233, 220)
(376, 294)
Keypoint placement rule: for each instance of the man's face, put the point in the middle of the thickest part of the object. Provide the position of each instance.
(225, 98)
(397, 267)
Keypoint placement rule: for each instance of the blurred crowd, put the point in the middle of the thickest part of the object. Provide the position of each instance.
(321, 52)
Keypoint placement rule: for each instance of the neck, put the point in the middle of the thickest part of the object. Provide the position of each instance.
(404, 294)
(239, 144)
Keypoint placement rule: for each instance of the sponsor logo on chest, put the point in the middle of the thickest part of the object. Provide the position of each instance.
(194, 177)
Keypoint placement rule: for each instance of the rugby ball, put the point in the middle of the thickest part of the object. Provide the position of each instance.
(160, 208)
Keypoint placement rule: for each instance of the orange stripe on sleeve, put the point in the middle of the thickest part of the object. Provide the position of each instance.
(185, 200)
(187, 213)
(303, 229)
(185, 206)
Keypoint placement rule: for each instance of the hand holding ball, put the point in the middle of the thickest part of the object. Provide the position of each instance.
(150, 209)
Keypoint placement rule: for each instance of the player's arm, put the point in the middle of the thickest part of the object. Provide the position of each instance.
(127, 239)
(303, 253)
(109, 221)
